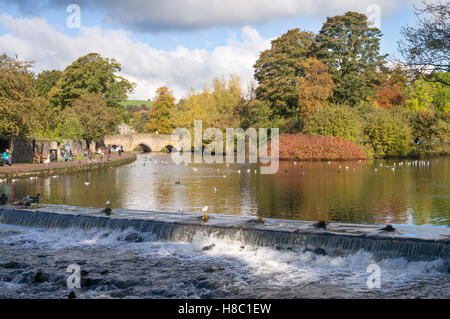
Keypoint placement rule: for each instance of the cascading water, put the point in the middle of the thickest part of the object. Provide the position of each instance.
(169, 227)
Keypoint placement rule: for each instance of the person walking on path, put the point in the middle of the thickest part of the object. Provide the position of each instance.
(68, 152)
(6, 157)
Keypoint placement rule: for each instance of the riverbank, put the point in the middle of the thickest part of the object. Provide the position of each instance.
(23, 170)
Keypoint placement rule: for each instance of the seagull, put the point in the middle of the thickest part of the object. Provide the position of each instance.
(55, 176)
(194, 169)
(86, 183)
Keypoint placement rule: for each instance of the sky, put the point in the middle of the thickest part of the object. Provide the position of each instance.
(181, 44)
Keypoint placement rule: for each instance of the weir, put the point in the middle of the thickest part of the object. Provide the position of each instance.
(410, 242)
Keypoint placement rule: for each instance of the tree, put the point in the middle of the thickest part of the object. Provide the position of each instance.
(426, 47)
(46, 80)
(315, 87)
(350, 49)
(94, 75)
(95, 116)
(441, 100)
(217, 105)
(421, 95)
(253, 113)
(389, 94)
(161, 112)
(20, 106)
(278, 69)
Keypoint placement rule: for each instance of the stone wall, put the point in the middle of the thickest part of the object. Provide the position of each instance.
(22, 149)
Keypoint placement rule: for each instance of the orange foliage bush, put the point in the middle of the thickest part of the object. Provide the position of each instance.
(321, 148)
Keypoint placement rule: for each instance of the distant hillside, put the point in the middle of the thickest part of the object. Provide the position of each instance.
(136, 102)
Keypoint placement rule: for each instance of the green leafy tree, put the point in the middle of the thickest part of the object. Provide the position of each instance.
(161, 112)
(253, 113)
(335, 120)
(350, 49)
(20, 106)
(94, 75)
(388, 133)
(46, 80)
(421, 95)
(95, 116)
(441, 100)
(278, 70)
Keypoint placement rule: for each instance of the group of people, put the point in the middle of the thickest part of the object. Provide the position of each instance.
(6, 158)
(66, 152)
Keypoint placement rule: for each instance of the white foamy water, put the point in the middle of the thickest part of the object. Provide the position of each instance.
(209, 266)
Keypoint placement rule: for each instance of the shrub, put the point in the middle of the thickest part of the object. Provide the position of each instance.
(303, 147)
(388, 133)
(290, 125)
(335, 120)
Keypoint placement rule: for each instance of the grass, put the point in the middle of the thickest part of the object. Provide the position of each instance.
(136, 102)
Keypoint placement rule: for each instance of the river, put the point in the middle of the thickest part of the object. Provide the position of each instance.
(372, 191)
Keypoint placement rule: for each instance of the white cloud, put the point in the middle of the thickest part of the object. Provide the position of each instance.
(179, 69)
(155, 15)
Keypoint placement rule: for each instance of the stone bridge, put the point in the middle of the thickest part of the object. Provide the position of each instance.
(148, 142)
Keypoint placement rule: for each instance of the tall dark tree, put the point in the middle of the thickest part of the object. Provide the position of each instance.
(278, 69)
(426, 48)
(350, 48)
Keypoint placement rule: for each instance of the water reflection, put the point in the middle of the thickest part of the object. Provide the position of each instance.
(414, 194)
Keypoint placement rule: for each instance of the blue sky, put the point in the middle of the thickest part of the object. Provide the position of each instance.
(177, 44)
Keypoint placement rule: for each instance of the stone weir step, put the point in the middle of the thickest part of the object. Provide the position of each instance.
(407, 241)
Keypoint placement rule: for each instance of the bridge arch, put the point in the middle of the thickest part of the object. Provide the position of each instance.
(145, 148)
(148, 142)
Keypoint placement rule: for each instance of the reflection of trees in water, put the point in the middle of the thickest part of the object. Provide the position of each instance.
(411, 194)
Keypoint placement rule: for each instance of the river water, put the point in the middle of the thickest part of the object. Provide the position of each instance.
(127, 264)
(414, 193)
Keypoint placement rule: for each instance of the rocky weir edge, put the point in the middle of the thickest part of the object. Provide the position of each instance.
(407, 241)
